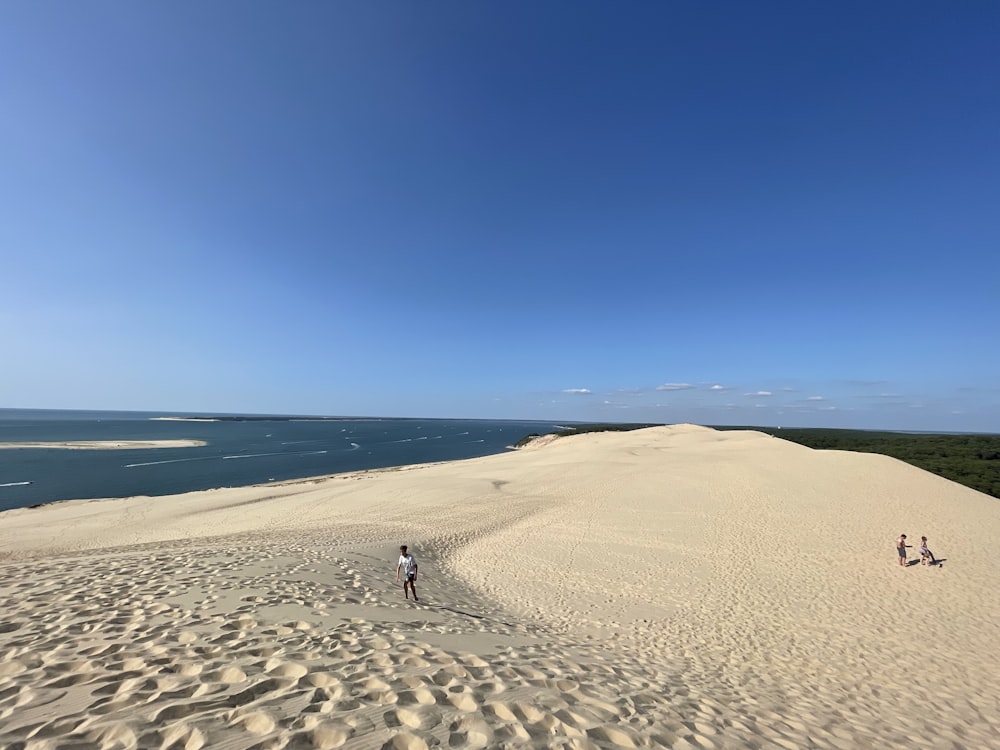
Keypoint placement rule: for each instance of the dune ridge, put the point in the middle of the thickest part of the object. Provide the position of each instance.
(671, 587)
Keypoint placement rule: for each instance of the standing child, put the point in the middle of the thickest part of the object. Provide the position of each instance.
(926, 556)
(408, 565)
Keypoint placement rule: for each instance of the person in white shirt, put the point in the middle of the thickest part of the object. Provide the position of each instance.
(408, 566)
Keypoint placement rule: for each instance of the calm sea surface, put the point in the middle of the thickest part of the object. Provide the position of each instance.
(237, 452)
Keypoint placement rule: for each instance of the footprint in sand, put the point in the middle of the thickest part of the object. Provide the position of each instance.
(463, 699)
(470, 733)
(443, 678)
(421, 696)
(377, 691)
(226, 675)
(186, 636)
(329, 735)
(189, 669)
(406, 741)
(618, 736)
(500, 711)
(422, 718)
(113, 735)
(381, 660)
(285, 669)
(323, 680)
(255, 722)
(513, 733)
(414, 661)
(528, 713)
(181, 735)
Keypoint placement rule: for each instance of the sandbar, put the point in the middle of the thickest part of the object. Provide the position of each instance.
(106, 445)
(673, 587)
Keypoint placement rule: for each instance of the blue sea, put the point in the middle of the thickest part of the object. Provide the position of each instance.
(240, 450)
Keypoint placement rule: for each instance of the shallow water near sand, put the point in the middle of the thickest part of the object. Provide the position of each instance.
(236, 453)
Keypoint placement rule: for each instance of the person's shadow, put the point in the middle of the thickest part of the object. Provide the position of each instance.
(937, 561)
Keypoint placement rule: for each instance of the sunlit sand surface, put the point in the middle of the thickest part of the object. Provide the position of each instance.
(673, 587)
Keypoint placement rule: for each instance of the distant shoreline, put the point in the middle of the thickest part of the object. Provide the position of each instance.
(265, 419)
(184, 419)
(107, 445)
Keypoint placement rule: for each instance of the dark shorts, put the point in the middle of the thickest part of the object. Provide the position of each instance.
(410, 577)
(901, 551)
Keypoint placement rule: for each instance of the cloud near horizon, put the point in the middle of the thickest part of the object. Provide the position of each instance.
(578, 391)
(675, 387)
(759, 393)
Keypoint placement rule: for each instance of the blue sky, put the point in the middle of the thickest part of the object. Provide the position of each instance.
(722, 213)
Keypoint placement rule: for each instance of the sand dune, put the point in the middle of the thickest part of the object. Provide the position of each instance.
(672, 587)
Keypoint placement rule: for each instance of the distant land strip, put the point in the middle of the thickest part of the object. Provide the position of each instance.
(107, 445)
(242, 418)
(972, 460)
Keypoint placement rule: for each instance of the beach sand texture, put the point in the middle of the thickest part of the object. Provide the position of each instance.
(673, 587)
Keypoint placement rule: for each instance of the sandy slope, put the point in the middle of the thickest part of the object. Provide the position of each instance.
(670, 587)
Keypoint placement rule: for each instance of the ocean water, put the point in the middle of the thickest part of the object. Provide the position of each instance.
(237, 453)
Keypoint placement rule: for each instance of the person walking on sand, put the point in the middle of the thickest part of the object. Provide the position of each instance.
(926, 556)
(408, 565)
(901, 548)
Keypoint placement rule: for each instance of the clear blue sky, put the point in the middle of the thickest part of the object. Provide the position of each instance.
(723, 213)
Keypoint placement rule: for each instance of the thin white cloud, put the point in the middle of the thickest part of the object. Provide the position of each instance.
(675, 387)
(759, 393)
(578, 391)
(816, 398)
(720, 388)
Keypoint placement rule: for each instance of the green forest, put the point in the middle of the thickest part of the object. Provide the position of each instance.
(972, 460)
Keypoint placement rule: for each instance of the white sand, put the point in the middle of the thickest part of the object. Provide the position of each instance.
(670, 587)
(108, 445)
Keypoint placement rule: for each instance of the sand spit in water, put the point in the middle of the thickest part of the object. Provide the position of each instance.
(672, 587)
(107, 445)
